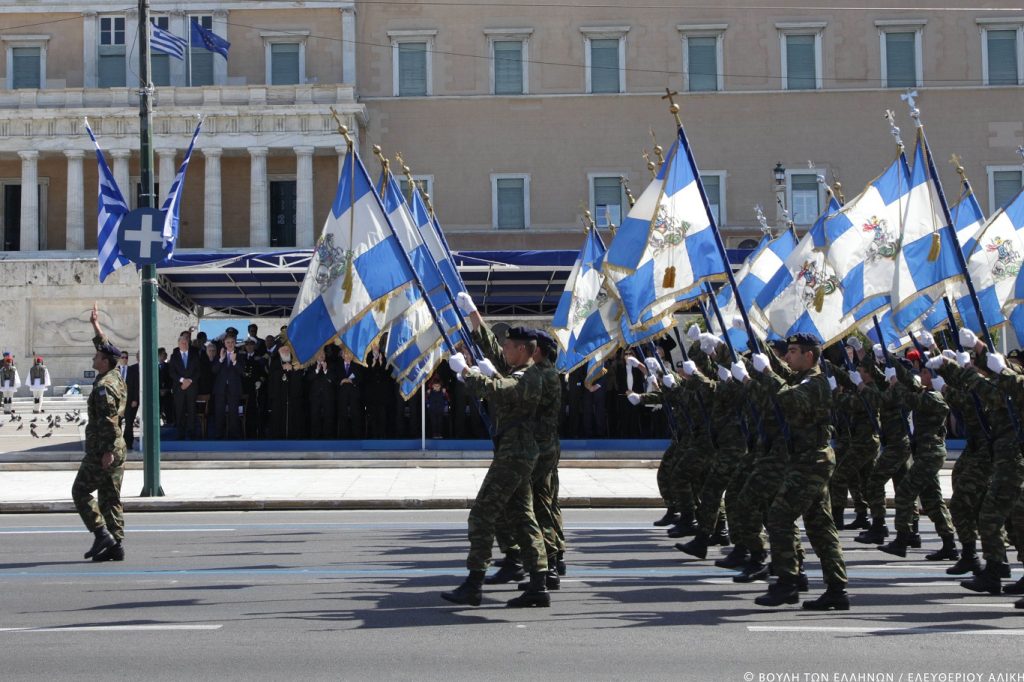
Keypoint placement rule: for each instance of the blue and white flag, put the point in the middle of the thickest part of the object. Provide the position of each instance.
(112, 208)
(433, 237)
(204, 37)
(358, 276)
(927, 262)
(166, 42)
(667, 246)
(585, 300)
(172, 204)
(864, 238)
(892, 338)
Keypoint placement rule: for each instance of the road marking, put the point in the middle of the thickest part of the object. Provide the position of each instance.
(131, 531)
(116, 628)
(872, 630)
(993, 604)
(935, 584)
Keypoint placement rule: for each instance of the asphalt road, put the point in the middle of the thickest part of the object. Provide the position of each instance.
(354, 596)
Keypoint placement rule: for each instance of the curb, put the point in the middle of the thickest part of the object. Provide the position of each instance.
(332, 464)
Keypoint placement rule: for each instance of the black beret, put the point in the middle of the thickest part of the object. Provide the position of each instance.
(108, 348)
(1016, 354)
(545, 340)
(521, 334)
(803, 339)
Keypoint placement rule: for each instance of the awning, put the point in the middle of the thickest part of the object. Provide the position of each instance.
(503, 283)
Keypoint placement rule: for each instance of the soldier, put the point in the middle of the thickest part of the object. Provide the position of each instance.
(512, 401)
(38, 381)
(102, 468)
(805, 399)
(9, 382)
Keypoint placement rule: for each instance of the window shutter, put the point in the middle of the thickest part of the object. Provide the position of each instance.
(1002, 57)
(412, 69)
(604, 65)
(511, 203)
(284, 63)
(702, 64)
(900, 60)
(801, 70)
(111, 68)
(713, 189)
(161, 69)
(508, 67)
(1005, 186)
(804, 190)
(202, 66)
(25, 67)
(607, 201)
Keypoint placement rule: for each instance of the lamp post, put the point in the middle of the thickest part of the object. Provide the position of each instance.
(780, 194)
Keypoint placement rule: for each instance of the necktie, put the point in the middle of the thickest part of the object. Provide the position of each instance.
(184, 359)
(124, 372)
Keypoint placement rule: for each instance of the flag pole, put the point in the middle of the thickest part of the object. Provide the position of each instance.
(190, 53)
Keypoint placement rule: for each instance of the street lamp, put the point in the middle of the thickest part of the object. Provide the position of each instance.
(780, 194)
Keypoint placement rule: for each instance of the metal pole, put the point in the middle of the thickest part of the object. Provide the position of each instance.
(150, 396)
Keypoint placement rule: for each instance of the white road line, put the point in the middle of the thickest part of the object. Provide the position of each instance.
(935, 584)
(131, 531)
(992, 604)
(870, 630)
(117, 628)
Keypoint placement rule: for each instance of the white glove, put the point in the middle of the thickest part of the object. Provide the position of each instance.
(856, 378)
(832, 383)
(936, 362)
(926, 339)
(486, 368)
(465, 303)
(963, 359)
(653, 366)
(708, 343)
(890, 373)
(877, 350)
(689, 367)
(633, 398)
(949, 354)
(669, 381)
(968, 339)
(996, 362)
(723, 373)
(938, 383)
(457, 361)
(855, 343)
(693, 333)
(760, 361)
(737, 322)
(632, 362)
(917, 380)
(739, 371)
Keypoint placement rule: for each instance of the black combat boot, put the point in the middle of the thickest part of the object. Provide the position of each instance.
(670, 518)
(697, 547)
(988, 580)
(103, 543)
(1019, 604)
(1015, 588)
(834, 598)
(782, 591)
(914, 541)
(803, 584)
(860, 522)
(685, 526)
(754, 570)
(737, 558)
(721, 534)
(560, 563)
(947, 552)
(534, 595)
(968, 563)
(116, 553)
(551, 581)
(511, 571)
(898, 545)
(469, 592)
(875, 535)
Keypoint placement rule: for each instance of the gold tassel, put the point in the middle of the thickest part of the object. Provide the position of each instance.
(819, 299)
(669, 280)
(382, 305)
(346, 284)
(933, 253)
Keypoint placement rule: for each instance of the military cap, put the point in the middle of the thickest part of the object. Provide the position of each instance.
(545, 340)
(109, 349)
(803, 339)
(521, 334)
(1017, 355)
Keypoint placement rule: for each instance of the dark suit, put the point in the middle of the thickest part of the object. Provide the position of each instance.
(132, 381)
(184, 398)
(321, 387)
(227, 395)
(350, 403)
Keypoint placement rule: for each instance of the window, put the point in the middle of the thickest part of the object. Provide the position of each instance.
(804, 197)
(282, 212)
(160, 63)
(605, 59)
(411, 63)
(508, 67)
(901, 54)
(1001, 48)
(510, 201)
(425, 183)
(10, 214)
(800, 45)
(714, 188)
(26, 60)
(199, 69)
(1004, 184)
(748, 244)
(607, 204)
(112, 52)
(285, 54)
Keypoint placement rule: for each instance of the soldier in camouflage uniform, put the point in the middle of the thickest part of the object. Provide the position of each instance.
(805, 399)
(506, 488)
(102, 468)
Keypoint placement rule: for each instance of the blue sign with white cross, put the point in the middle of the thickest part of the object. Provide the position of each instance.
(140, 236)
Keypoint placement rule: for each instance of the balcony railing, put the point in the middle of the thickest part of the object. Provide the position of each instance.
(209, 95)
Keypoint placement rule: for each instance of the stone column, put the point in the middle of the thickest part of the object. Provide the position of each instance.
(121, 176)
(259, 208)
(90, 30)
(29, 200)
(348, 46)
(75, 239)
(165, 177)
(304, 197)
(220, 65)
(212, 229)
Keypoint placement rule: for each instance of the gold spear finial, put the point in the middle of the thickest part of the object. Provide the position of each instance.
(588, 220)
(660, 153)
(957, 164)
(385, 164)
(837, 190)
(342, 128)
(673, 107)
(651, 166)
(629, 195)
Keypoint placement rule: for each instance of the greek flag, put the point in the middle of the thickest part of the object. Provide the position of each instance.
(927, 262)
(112, 208)
(433, 238)
(667, 246)
(357, 278)
(863, 238)
(585, 303)
(172, 204)
(166, 42)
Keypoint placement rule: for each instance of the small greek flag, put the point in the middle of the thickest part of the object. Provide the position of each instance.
(166, 42)
(112, 208)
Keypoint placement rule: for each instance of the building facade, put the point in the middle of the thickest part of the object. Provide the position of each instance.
(516, 118)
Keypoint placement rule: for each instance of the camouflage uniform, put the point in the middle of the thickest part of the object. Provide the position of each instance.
(973, 467)
(512, 400)
(858, 410)
(102, 435)
(895, 440)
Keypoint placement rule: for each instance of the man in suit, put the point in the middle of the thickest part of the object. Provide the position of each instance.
(184, 370)
(227, 390)
(131, 410)
(166, 391)
(350, 403)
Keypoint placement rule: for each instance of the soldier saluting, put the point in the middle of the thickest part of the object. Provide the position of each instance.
(102, 468)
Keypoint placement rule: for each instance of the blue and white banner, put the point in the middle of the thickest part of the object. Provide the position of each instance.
(172, 204)
(166, 42)
(112, 209)
(995, 267)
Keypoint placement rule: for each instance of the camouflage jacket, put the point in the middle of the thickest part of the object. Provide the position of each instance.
(728, 399)
(512, 400)
(929, 416)
(106, 408)
(859, 407)
(991, 394)
(962, 404)
(805, 401)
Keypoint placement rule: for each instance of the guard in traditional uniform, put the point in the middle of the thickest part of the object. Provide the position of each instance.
(38, 381)
(102, 468)
(9, 382)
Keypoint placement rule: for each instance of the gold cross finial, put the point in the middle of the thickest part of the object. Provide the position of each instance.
(629, 195)
(342, 128)
(651, 166)
(673, 107)
(957, 163)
